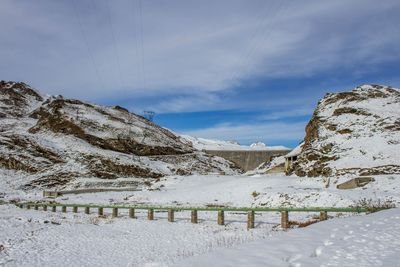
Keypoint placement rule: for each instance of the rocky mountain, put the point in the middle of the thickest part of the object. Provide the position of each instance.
(57, 142)
(355, 132)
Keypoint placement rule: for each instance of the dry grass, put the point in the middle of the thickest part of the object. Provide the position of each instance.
(94, 220)
(374, 205)
(255, 194)
(302, 224)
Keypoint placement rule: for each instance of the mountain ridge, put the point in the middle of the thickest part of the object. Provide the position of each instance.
(59, 142)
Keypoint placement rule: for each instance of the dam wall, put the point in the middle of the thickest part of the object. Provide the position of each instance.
(247, 160)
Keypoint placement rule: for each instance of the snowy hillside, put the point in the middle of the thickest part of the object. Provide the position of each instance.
(354, 132)
(210, 144)
(57, 142)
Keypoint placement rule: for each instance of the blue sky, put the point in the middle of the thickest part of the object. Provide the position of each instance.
(240, 70)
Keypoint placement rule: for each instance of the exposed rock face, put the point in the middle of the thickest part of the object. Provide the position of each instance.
(59, 142)
(112, 129)
(353, 132)
(17, 99)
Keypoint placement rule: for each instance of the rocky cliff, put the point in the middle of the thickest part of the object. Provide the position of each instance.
(57, 142)
(355, 132)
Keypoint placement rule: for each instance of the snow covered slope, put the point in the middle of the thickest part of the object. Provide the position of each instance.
(54, 141)
(355, 132)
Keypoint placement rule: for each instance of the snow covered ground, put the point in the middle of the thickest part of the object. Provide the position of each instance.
(371, 240)
(36, 238)
(274, 190)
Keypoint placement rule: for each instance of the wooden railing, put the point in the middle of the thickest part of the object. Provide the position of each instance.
(323, 211)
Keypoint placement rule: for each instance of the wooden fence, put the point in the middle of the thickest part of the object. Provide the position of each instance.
(323, 211)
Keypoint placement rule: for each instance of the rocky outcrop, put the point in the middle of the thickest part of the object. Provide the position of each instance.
(17, 99)
(116, 133)
(57, 142)
(354, 132)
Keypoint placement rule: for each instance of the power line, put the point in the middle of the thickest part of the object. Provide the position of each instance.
(265, 35)
(85, 40)
(259, 21)
(267, 31)
(141, 40)
(136, 41)
(245, 57)
(117, 59)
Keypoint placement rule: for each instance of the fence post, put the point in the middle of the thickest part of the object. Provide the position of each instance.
(44, 207)
(54, 208)
(100, 211)
(131, 213)
(221, 217)
(284, 219)
(87, 210)
(323, 215)
(170, 215)
(250, 219)
(74, 209)
(150, 214)
(193, 217)
(64, 209)
(115, 212)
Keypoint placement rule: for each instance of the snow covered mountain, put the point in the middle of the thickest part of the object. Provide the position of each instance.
(355, 132)
(211, 144)
(60, 142)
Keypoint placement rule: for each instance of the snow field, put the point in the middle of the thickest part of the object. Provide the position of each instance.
(29, 238)
(371, 240)
(244, 191)
(37, 238)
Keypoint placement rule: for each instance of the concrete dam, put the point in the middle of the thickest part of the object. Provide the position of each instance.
(247, 160)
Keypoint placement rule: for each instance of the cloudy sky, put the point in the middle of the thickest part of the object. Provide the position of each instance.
(245, 70)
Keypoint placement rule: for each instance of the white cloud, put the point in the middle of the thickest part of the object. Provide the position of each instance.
(185, 103)
(290, 113)
(190, 47)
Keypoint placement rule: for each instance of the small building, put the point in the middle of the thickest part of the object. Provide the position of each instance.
(291, 157)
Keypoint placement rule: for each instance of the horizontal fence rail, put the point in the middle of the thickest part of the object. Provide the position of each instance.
(178, 208)
(285, 223)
